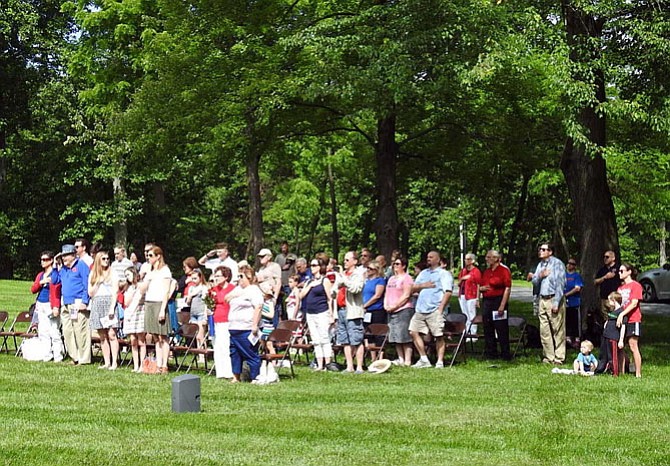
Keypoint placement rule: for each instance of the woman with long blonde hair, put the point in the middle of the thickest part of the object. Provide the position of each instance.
(103, 288)
(156, 285)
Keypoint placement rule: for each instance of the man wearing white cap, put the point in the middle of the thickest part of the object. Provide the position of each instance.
(269, 271)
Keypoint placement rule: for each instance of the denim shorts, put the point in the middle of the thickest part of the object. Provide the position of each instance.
(349, 332)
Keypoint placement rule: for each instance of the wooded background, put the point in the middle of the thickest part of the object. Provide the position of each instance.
(335, 125)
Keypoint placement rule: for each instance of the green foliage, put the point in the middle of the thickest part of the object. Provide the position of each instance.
(156, 117)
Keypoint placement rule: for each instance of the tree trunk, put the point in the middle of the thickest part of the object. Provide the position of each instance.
(255, 211)
(474, 248)
(586, 172)
(333, 210)
(254, 149)
(121, 225)
(386, 225)
(662, 254)
(518, 220)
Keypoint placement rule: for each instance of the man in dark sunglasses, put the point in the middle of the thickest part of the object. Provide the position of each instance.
(549, 277)
(608, 280)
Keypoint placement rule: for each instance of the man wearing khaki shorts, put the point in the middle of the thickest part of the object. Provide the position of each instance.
(435, 286)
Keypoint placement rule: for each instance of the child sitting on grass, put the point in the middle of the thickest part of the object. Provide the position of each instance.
(586, 363)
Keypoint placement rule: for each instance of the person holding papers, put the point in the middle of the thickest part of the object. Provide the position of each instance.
(495, 287)
(103, 286)
(244, 316)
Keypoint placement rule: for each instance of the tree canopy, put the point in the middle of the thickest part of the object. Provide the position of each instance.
(335, 125)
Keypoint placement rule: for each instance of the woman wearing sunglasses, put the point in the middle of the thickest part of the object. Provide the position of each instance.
(103, 287)
(317, 306)
(157, 285)
(47, 308)
(400, 309)
(631, 294)
(243, 321)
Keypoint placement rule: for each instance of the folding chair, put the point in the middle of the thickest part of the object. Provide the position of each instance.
(472, 336)
(454, 335)
(4, 317)
(282, 339)
(15, 332)
(518, 335)
(189, 332)
(300, 333)
(375, 337)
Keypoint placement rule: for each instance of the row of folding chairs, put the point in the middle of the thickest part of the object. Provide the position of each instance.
(19, 330)
(517, 336)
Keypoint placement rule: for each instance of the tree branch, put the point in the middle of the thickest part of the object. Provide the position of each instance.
(340, 114)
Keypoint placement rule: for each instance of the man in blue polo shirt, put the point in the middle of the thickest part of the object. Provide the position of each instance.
(73, 277)
(435, 286)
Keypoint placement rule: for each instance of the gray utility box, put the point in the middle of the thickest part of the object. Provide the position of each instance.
(186, 394)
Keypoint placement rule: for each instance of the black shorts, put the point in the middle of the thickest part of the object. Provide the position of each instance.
(633, 329)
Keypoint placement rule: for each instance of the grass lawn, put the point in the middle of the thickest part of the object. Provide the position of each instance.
(515, 413)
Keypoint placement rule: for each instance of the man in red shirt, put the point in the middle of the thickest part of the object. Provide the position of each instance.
(495, 287)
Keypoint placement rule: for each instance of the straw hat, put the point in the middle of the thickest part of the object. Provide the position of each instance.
(379, 366)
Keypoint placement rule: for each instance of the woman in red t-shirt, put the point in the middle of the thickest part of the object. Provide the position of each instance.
(222, 277)
(631, 294)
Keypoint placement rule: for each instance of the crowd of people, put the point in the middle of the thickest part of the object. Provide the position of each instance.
(237, 306)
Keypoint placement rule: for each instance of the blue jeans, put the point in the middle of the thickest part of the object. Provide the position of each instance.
(242, 350)
(172, 311)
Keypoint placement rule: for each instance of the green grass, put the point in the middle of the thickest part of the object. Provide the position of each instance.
(514, 414)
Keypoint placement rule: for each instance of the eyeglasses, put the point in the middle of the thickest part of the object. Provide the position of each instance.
(45, 259)
(397, 263)
(542, 249)
(104, 258)
(314, 265)
(372, 268)
(217, 277)
(606, 256)
(151, 254)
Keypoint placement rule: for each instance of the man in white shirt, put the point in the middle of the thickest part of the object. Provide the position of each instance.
(219, 256)
(121, 263)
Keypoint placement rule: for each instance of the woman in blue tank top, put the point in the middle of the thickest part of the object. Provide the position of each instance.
(317, 306)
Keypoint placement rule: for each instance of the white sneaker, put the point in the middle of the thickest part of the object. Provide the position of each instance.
(398, 362)
(421, 364)
(439, 365)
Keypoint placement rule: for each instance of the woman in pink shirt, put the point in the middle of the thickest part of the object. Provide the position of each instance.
(400, 310)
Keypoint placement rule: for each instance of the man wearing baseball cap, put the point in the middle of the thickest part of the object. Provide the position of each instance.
(269, 271)
(73, 277)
